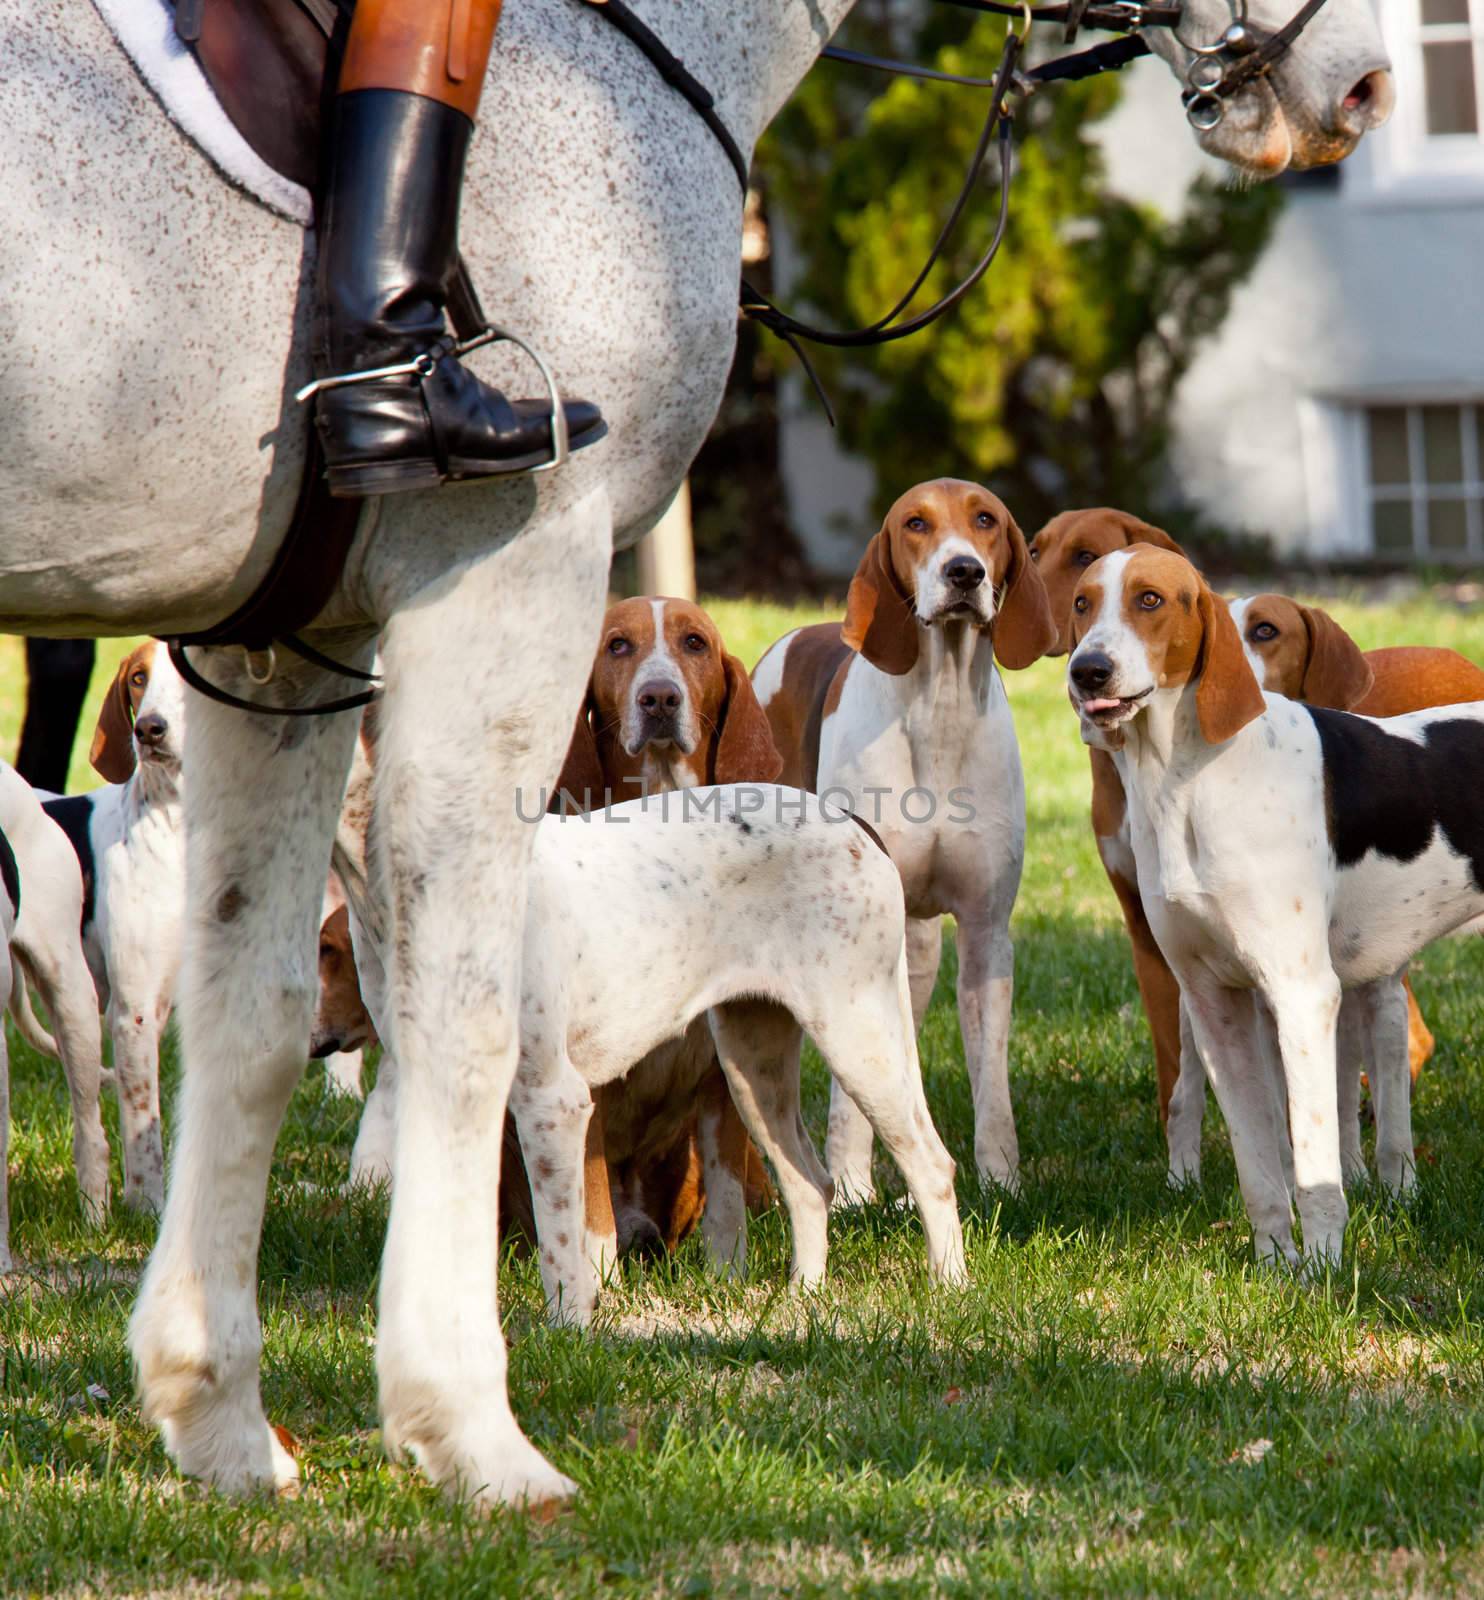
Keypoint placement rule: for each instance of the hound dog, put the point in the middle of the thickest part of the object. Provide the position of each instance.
(726, 899)
(40, 917)
(1062, 551)
(1299, 652)
(1282, 851)
(724, 902)
(129, 838)
(668, 708)
(902, 712)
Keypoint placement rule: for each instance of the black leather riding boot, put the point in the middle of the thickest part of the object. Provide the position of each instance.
(388, 254)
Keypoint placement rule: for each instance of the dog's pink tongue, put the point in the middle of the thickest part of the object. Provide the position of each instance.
(1100, 705)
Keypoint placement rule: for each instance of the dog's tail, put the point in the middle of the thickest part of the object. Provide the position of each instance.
(19, 1006)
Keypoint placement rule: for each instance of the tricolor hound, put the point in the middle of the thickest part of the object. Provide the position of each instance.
(1282, 851)
(1298, 651)
(901, 714)
(130, 842)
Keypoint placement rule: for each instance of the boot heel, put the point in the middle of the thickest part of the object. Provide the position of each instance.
(382, 477)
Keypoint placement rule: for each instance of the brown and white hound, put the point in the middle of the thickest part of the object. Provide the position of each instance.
(901, 713)
(1283, 851)
(668, 708)
(130, 841)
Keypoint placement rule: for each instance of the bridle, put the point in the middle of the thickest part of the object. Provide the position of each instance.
(1216, 72)
(1239, 57)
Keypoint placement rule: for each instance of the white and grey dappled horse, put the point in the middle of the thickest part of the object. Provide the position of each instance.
(154, 325)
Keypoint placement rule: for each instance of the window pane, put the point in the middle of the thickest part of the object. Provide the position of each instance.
(1449, 70)
(1447, 525)
(1392, 521)
(1436, 11)
(1389, 445)
(1442, 446)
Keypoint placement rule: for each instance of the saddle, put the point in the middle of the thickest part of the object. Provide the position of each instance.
(266, 62)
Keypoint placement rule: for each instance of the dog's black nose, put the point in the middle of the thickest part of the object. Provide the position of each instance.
(151, 728)
(1091, 671)
(964, 572)
(658, 698)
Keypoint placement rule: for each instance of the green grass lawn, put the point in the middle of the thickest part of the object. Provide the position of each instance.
(1119, 1403)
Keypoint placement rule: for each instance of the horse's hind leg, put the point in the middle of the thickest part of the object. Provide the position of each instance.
(758, 1045)
(260, 812)
(485, 670)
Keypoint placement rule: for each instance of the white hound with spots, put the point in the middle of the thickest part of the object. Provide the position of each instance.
(901, 712)
(130, 842)
(774, 914)
(768, 912)
(1283, 850)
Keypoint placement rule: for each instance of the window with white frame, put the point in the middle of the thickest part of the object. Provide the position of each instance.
(1450, 42)
(1436, 135)
(1425, 480)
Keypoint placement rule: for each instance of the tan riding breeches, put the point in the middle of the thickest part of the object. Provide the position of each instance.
(436, 48)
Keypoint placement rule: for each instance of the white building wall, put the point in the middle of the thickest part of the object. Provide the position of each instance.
(1370, 292)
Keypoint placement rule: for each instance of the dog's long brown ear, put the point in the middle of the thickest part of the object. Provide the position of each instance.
(112, 753)
(1337, 674)
(581, 782)
(745, 751)
(1228, 696)
(880, 620)
(1140, 532)
(1024, 629)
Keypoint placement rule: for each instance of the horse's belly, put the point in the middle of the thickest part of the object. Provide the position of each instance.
(148, 310)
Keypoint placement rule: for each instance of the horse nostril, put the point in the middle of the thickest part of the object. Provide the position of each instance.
(1369, 101)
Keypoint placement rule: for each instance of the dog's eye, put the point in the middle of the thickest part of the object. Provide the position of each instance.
(139, 679)
(695, 643)
(916, 524)
(1084, 558)
(619, 646)
(984, 520)
(1149, 601)
(1080, 603)
(1035, 555)
(1263, 633)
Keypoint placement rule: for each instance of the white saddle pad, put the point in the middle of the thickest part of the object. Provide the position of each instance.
(145, 30)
